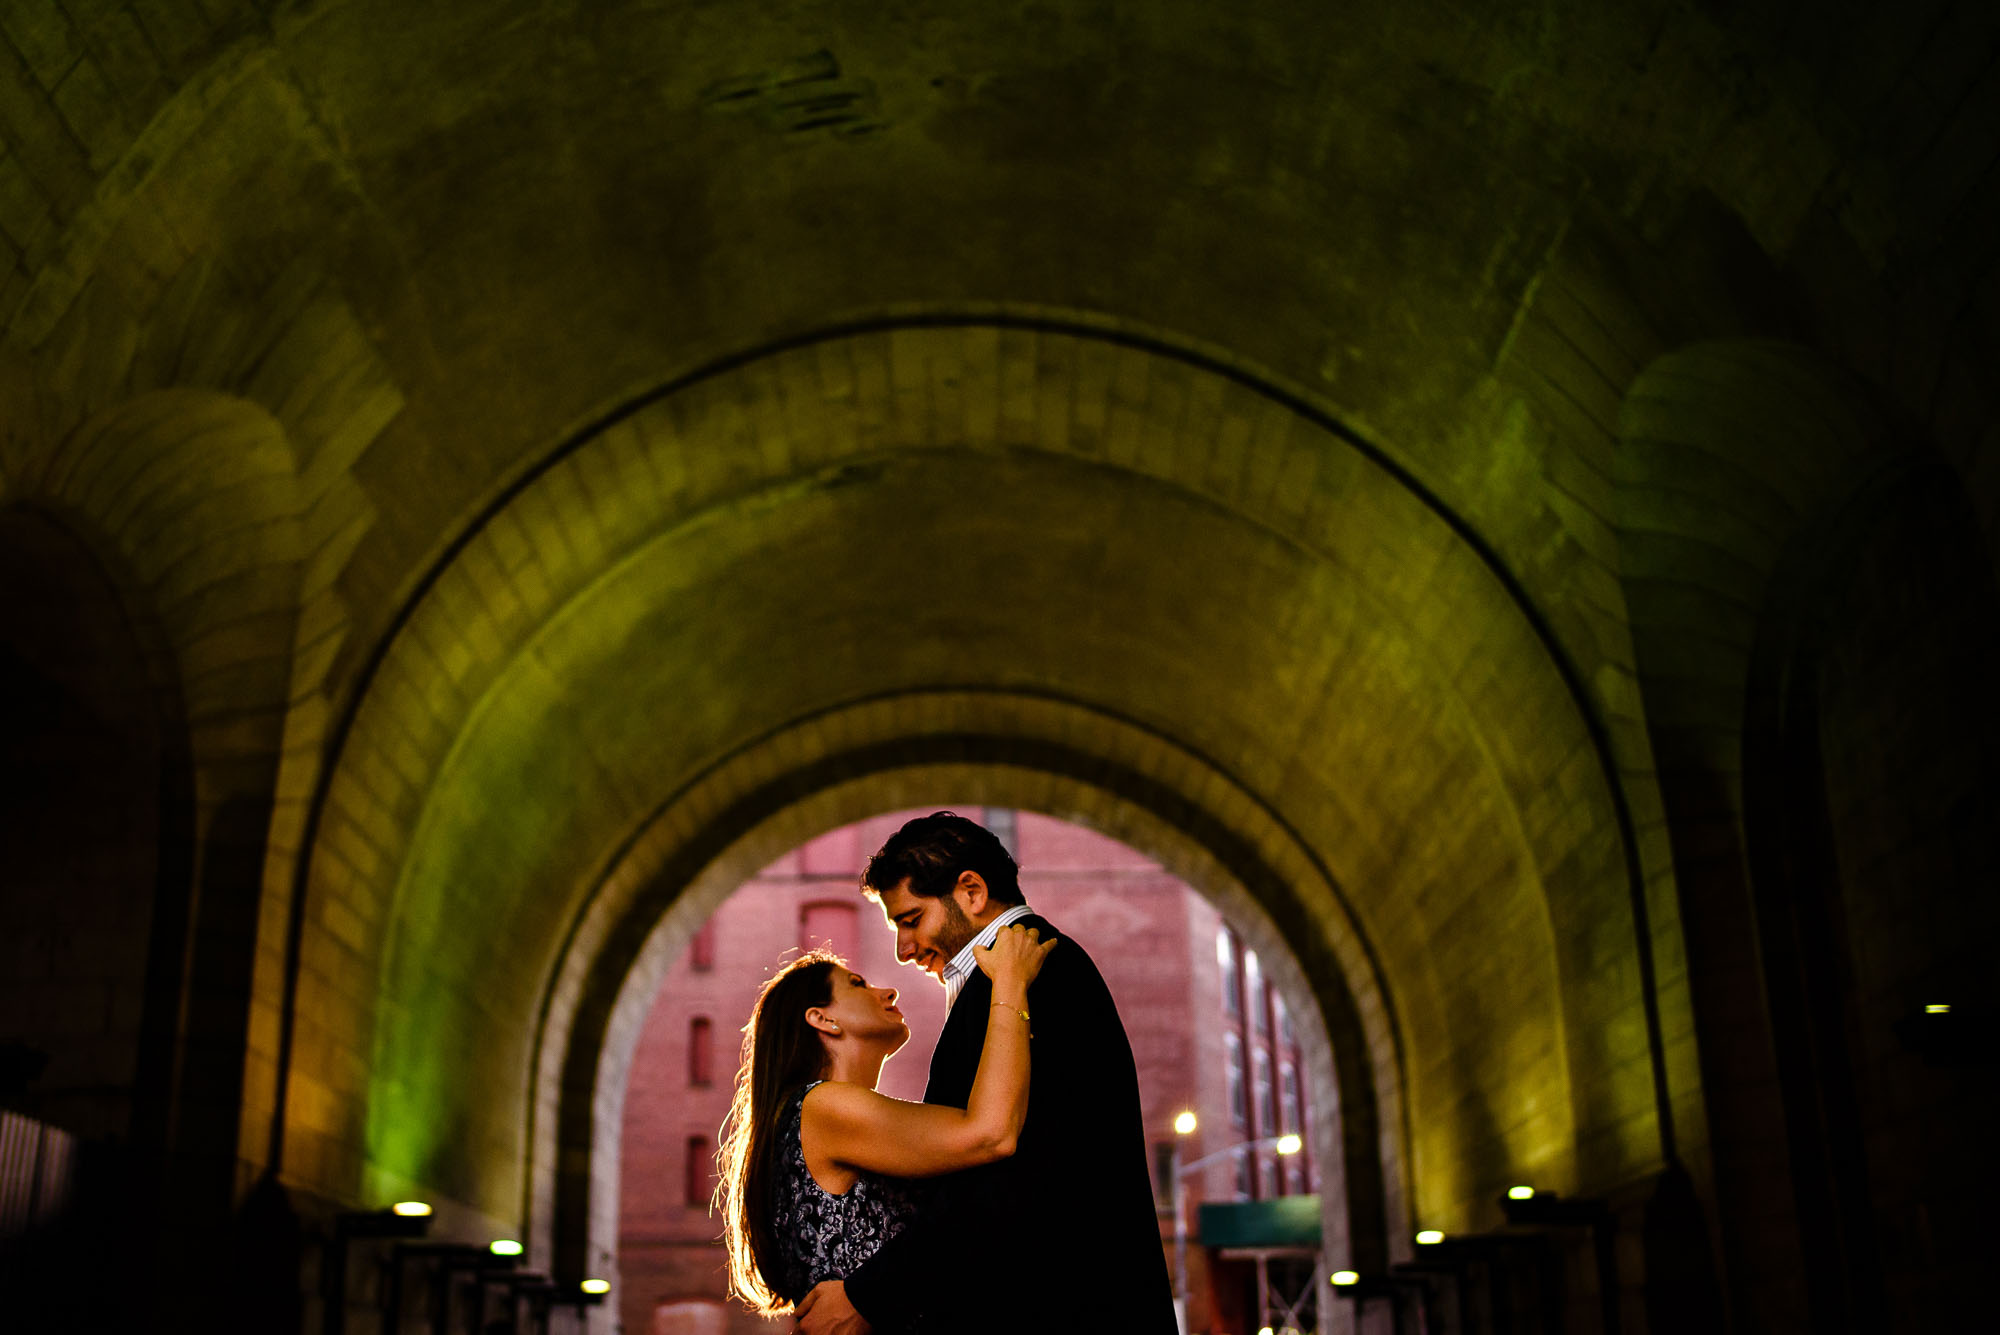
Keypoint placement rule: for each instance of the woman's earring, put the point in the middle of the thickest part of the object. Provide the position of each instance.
(836, 1029)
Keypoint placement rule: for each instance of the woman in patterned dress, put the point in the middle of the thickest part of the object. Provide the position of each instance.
(815, 1164)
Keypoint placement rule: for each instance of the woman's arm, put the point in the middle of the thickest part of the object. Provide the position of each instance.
(1010, 1197)
(860, 1128)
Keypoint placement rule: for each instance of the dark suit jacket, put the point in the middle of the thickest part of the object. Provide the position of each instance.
(1062, 1236)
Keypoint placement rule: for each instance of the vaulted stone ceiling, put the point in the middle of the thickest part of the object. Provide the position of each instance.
(517, 417)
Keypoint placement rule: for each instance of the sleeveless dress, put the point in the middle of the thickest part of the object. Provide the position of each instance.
(822, 1236)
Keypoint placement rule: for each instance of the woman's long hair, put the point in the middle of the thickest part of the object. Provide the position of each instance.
(780, 1053)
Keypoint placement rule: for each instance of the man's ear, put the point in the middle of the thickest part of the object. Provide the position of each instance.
(971, 890)
(821, 1021)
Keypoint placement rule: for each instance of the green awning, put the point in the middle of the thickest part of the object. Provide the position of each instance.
(1288, 1221)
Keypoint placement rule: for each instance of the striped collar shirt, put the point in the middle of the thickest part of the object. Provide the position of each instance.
(963, 965)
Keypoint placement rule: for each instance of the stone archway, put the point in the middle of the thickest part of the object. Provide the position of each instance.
(191, 502)
(1781, 523)
(732, 560)
(95, 822)
(1734, 456)
(673, 875)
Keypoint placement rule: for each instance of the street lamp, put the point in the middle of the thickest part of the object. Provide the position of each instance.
(1185, 1125)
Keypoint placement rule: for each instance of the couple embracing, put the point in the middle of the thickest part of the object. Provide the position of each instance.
(1015, 1197)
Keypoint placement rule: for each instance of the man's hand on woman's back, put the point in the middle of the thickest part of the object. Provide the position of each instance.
(826, 1311)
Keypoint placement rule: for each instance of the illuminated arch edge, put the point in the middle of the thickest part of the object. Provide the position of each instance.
(1523, 625)
(1000, 748)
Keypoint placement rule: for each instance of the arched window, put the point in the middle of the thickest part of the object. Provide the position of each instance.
(701, 950)
(1253, 992)
(699, 1184)
(832, 924)
(701, 1050)
(1267, 1121)
(1225, 960)
(1239, 1104)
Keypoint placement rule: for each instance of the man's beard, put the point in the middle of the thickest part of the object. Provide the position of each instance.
(957, 931)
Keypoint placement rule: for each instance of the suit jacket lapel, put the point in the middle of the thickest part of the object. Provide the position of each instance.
(955, 1061)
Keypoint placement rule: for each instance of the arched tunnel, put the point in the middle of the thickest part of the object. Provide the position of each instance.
(1501, 496)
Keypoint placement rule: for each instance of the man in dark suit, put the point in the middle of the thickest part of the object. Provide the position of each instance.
(1062, 1237)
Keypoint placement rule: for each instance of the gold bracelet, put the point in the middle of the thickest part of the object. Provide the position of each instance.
(1003, 1006)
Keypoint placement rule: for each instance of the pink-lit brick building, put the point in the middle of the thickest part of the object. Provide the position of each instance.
(1209, 1034)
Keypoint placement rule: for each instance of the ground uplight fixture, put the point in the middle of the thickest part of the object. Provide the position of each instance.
(1288, 1144)
(1346, 1277)
(1185, 1124)
(1938, 1008)
(505, 1247)
(412, 1209)
(596, 1286)
(1430, 1237)
(1520, 1193)
(1265, 1330)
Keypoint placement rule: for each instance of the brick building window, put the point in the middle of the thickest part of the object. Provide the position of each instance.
(1166, 1160)
(701, 950)
(1288, 1098)
(1267, 1119)
(1253, 993)
(1239, 1094)
(699, 1185)
(1225, 960)
(1243, 1176)
(701, 1051)
(831, 925)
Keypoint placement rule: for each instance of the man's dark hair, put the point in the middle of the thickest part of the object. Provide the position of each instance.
(931, 851)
